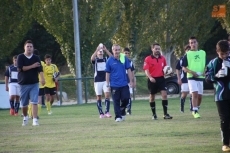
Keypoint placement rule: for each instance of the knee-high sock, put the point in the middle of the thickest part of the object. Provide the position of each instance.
(224, 126)
(12, 104)
(99, 107)
(190, 100)
(165, 106)
(153, 107)
(48, 106)
(16, 107)
(39, 109)
(107, 105)
(30, 114)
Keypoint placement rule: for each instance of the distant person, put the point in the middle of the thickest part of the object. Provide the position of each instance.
(51, 74)
(194, 63)
(116, 80)
(99, 63)
(11, 81)
(29, 66)
(153, 67)
(218, 74)
(127, 54)
(183, 81)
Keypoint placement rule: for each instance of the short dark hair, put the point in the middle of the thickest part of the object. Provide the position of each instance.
(155, 44)
(223, 45)
(126, 49)
(36, 52)
(187, 47)
(47, 56)
(15, 56)
(28, 42)
(192, 37)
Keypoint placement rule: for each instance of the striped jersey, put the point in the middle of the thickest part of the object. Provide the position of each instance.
(99, 69)
(12, 74)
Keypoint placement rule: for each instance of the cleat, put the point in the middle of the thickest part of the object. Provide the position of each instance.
(154, 117)
(102, 116)
(118, 119)
(107, 115)
(50, 112)
(226, 148)
(195, 114)
(167, 116)
(11, 112)
(25, 121)
(35, 123)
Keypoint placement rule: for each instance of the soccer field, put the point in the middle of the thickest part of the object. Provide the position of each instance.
(78, 129)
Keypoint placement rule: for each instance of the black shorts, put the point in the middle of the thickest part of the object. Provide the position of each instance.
(51, 91)
(41, 92)
(159, 85)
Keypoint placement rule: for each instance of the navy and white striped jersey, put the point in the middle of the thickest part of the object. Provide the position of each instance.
(12, 74)
(132, 69)
(99, 69)
(183, 74)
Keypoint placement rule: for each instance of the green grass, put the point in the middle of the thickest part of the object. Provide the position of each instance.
(77, 129)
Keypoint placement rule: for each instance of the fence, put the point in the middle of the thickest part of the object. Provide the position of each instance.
(67, 86)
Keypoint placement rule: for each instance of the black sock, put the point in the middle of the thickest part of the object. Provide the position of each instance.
(224, 126)
(12, 104)
(190, 100)
(99, 107)
(153, 107)
(107, 105)
(16, 108)
(165, 106)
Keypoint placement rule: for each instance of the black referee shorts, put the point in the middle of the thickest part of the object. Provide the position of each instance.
(159, 85)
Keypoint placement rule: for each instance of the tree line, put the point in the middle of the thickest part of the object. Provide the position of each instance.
(130, 23)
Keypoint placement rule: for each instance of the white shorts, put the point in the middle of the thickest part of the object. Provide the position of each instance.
(99, 87)
(195, 86)
(184, 87)
(14, 89)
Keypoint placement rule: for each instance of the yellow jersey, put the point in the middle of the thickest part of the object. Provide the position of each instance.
(40, 85)
(49, 71)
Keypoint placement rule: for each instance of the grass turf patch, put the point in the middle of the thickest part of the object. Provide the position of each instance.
(77, 128)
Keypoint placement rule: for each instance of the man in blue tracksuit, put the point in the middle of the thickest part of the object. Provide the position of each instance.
(116, 80)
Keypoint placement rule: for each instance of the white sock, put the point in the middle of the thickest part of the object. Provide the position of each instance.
(35, 119)
(25, 118)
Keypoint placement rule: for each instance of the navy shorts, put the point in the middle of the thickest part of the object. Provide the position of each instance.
(29, 92)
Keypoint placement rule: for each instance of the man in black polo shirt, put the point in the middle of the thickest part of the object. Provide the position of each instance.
(29, 66)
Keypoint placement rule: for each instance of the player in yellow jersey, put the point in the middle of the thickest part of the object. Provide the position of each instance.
(51, 74)
(41, 91)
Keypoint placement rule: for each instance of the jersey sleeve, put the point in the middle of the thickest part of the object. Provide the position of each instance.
(56, 68)
(107, 66)
(20, 62)
(209, 74)
(164, 62)
(178, 65)
(127, 63)
(185, 61)
(146, 64)
(7, 72)
(132, 67)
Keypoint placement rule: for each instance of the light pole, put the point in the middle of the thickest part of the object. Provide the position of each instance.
(77, 52)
